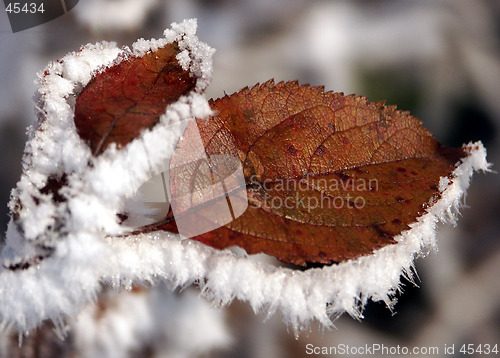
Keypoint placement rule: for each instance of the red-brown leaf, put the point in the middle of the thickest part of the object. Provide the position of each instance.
(319, 144)
(124, 99)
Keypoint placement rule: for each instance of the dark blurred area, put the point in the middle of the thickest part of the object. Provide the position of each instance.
(438, 59)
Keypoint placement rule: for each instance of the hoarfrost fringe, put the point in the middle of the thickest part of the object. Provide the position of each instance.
(55, 252)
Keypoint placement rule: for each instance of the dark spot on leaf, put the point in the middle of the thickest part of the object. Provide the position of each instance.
(380, 231)
(291, 150)
(320, 151)
(343, 176)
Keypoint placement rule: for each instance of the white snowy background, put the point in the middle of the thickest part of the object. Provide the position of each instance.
(438, 59)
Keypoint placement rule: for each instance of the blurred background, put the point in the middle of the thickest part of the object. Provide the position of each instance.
(439, 59)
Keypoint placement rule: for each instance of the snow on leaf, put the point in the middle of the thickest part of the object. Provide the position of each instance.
(67, 199)
(124, 99)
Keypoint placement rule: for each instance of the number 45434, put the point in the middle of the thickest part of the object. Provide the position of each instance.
(470, 349)
(27, 8)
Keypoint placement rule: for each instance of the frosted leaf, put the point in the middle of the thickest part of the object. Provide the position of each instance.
(67, 200)
(65, 239)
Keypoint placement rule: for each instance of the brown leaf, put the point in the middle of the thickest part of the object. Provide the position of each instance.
(124, 99)
(329, 177)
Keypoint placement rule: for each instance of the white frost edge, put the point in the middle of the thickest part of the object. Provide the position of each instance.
(61, 285)
(300, 296)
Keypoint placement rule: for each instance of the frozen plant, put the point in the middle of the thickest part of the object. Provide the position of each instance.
(75, 205)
